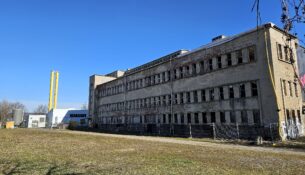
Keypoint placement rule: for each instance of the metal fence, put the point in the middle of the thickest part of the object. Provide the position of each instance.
(216, 131)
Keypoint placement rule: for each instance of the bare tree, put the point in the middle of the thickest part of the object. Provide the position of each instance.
(41, 109)
(6, 109)
(293, 12)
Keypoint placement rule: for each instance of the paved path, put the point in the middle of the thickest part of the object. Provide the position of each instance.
(192, 142)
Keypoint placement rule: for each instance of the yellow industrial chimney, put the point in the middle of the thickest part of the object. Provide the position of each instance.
(52, 105)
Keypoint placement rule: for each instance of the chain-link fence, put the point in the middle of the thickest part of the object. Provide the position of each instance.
(216, 131)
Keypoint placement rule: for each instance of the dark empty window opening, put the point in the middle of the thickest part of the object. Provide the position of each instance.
(213, 118)
(188, 97)
(175, 74)
(175, 118)
(195, 96)
(196, 118)
(232, 117)
(204, 117)
(286, 50)
(231, 92)
(229, 59)
(212, 95)
(242, 90)
(219, 62)
(203, 98)
(202, 66)
(181, 72)
(189, 119)
(244, 117)
(239, 56)
(256, 117)
(222, 117)
(169, 118)
(182, 118)
(254, 89)
(194, 69)
(279, 51)
(181, 98)
(251, 51)
(164, 118)
(221, 94)
(210, 64)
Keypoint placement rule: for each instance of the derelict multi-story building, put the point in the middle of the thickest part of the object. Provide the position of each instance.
(249, 78)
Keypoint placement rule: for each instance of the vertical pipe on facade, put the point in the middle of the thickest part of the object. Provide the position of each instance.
(272, 82)
(50, 106)
(56, 89)
(171, 110)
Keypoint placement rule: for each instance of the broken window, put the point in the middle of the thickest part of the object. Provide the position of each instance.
(181, 98)
(219, 62)
(189, 119)
(221, 94)
(256, 117)
(244, 117)
(229, 59)
(212, 95)
(242, 91)
(299, 116)
(188, 97)
(202, 66)
(286, 50)
(222, 117)
(194, 69)
(254, 89)
(164, 118)
(176, 99)
(231, 92)
(195, 96)
(203, 98)
(181, 72)
(182, 118)
(168, 75)
(251, 52)
(175, 118)
(210, 64)
(204, 117)
(163, 77)
(169, 118)
(213, 117)
(239, 56)
(232, 117)
(196, 118)
(279, 51)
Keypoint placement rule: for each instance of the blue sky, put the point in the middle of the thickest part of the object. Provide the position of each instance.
(84, 37)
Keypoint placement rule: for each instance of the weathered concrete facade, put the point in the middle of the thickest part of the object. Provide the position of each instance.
(247, 78)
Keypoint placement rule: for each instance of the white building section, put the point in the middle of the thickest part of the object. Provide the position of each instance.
(36, 121)
(64, 116)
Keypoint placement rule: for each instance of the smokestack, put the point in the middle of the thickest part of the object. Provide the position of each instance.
(51, 91)
(53, 104)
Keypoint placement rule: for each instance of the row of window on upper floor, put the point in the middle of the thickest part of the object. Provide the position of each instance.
(240, 90)
(292, 88)
(196, 68)
(225, 117)
(284, 53)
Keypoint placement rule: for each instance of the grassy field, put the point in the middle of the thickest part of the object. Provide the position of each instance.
(24, 151)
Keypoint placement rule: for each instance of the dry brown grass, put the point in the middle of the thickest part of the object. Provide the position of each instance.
(24, 151)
